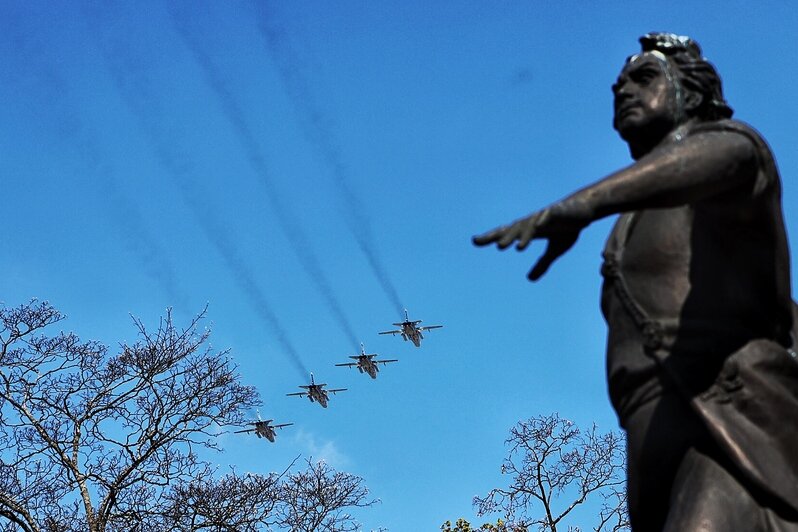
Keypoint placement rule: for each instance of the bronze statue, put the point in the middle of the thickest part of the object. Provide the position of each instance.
(697, 298)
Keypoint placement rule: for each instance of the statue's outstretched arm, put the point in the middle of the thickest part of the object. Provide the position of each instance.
(698, 167)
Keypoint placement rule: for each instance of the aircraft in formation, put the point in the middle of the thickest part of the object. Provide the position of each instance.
(317, 393)
(264, 429)
(411, 331)
(366, 363)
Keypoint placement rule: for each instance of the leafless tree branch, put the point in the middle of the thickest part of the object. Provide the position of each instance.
(317, 498)
(553, 464)
(96, 442)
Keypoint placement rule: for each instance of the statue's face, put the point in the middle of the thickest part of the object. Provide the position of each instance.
(646, 98)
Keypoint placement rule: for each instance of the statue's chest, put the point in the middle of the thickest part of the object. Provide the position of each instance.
(652, 241)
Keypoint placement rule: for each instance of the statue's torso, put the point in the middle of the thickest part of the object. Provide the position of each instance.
(713, 275)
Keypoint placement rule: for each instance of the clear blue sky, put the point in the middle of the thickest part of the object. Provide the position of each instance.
(211, 152)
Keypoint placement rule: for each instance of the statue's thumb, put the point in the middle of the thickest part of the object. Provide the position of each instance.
(540, 267)
(554, 249)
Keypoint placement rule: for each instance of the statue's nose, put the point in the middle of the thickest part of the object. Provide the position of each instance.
(622, 95)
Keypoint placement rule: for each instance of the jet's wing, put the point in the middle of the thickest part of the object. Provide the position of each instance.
(337, 390)
(300, 394)
(386, 361)
(282, 425)
(246, 430)
(428, 327)
(351, 364)
(391, 332)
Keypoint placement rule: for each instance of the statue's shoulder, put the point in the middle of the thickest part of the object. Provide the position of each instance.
(730, 125)
(768, 172)
(726, 124)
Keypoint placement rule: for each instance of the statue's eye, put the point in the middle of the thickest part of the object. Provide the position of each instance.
(645, 76)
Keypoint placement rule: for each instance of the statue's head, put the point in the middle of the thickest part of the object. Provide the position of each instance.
(665, 85)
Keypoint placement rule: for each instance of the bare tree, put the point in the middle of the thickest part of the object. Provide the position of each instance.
(555, 467)
(316, 500)
(96, 442)
(89, 440)
(461, 525)
(240, 503)
(614, 515)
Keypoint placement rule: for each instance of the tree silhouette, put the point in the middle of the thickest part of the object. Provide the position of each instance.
(556, 467)
(91, 441)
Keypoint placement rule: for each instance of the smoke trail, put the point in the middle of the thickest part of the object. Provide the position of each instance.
(125, 215)
(299, 241)
(319, 133)
(140, 241)
(137, 92)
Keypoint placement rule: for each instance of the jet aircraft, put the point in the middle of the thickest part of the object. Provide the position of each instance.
(264, 429)
(366, 362)
(411, 331)
(316, 392)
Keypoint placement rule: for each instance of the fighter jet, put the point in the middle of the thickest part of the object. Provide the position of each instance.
(316, 392)
(411, 331)
(366, 362)
(264, 429)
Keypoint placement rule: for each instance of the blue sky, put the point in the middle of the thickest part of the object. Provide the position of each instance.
(308, 169)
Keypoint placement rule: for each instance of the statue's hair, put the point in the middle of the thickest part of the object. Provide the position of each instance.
(695, 72)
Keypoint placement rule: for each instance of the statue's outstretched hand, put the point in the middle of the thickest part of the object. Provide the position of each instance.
(560, 227)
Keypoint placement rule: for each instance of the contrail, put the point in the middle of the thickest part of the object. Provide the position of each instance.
(137, 92)
(141, 242)
(299, 241)
(124, 214)
(318, 132)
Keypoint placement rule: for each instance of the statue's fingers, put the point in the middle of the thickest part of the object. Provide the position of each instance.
(528, 231)
(526, 235)
(510, 235)
(490, 237)
(531, 228)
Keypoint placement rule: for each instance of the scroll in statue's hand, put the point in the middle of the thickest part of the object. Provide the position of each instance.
(559, 224)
